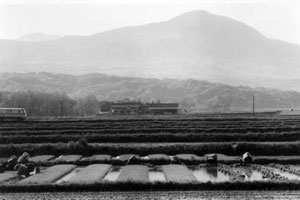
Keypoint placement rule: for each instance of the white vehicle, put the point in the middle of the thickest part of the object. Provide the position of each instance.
(12, 114)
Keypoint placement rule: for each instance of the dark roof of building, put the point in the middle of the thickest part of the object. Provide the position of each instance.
(127, 103)
(164, 105)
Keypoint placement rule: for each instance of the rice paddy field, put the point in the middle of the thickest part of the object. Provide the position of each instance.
(48, 175)
(90, 174)
(263, 135)
(106, 177)
(163, 153)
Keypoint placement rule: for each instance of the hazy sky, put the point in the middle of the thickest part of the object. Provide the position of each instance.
(274, 18)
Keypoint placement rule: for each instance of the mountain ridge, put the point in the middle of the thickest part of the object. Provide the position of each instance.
(38, 37)
(203, 95)
(196, 45)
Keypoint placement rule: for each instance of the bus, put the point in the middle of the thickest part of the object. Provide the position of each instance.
(12, 114)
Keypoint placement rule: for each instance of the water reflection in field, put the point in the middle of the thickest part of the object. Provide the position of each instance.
(69, 175)
(208, 173)
(113, 174)
(156, 174)
(250, 174)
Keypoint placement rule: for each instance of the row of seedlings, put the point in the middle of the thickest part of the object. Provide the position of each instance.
(286, 168)
(233, 175)
(268, 173)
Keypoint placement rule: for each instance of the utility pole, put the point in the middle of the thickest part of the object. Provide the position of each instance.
(253, 105)
(61, 108)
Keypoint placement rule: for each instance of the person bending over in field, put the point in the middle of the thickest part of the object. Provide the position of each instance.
(26, 169)
(9, 164)
(24, 158)
(22, 165)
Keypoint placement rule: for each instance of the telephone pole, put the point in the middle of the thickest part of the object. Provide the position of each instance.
(61, 108)
(253, 105)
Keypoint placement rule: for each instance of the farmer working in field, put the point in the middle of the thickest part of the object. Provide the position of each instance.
(26, 169)
(22, 165)
(9, 164)
(24, 158)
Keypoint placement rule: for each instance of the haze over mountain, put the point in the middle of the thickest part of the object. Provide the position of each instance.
(189, 93)
(196, 45)
(38, 37)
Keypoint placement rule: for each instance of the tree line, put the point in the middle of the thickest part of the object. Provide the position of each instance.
(50, 104)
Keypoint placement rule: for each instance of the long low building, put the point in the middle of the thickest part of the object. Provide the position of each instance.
(126, 108)
(163, 108)
(131, 108)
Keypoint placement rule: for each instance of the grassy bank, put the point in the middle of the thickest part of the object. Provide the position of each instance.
(142, 149)
(152, 137)
(159, 186)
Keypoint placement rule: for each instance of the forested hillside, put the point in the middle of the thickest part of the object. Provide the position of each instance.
(47, 104)
(47, 91)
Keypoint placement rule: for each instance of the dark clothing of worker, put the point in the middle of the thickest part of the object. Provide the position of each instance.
(25, 169)
(9, 164)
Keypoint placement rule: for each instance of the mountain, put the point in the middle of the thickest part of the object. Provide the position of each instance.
(38, 37)
(203, 95)
(195, 45)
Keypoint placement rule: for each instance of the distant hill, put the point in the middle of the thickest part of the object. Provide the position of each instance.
(206, 96)
(38, 37)
(196, 45)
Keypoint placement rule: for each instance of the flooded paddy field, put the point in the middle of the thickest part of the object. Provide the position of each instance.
(152, 174)
(210, 173)
(200, 173)
(168, 153)
(182, 195)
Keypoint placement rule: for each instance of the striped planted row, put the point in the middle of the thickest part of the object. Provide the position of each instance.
(49, 175)
(134, 173)
(141, 130)
(178, 174)
(91, 174)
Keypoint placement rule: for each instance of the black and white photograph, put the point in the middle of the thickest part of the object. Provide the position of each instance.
(149, 99)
